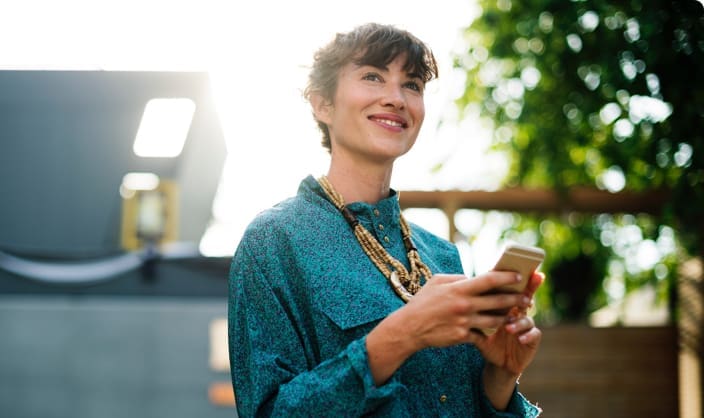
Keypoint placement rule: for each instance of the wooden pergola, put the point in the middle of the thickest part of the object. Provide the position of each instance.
(577, 199)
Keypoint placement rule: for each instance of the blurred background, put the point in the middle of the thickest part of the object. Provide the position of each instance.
(138, 138)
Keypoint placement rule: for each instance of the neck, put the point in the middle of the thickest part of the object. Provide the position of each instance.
(360, 183)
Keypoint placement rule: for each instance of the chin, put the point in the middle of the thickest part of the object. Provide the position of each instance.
(392, 153)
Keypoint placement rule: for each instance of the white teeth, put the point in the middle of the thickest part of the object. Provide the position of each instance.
(390, 122)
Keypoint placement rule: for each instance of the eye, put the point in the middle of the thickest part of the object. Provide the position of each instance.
(414, 85)
(371, 77)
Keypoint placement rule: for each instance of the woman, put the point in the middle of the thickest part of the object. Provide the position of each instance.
(337, 306)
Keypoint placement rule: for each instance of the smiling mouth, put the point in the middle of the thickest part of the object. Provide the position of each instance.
(389, 122)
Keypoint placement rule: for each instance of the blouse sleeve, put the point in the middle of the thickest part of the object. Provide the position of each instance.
(518, 405)
(271, 373)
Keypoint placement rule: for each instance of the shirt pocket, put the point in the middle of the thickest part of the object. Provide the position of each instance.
(352, 302)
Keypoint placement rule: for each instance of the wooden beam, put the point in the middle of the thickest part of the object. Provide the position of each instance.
(579, 199)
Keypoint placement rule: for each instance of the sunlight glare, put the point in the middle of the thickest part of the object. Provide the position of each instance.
(257, 55)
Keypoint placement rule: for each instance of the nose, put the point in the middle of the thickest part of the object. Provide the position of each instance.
(394, 96)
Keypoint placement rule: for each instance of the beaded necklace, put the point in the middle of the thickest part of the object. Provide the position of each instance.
(405, 283)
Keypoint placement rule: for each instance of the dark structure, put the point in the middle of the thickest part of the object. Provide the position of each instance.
(86, 328)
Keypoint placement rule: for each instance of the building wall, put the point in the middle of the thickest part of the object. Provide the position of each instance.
(103, 356)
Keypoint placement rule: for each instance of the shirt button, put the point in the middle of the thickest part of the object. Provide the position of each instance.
(386, 239)
(443, 398)
(376, 212)
(381, 227)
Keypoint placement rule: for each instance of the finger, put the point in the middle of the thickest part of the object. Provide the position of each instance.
(446, 278)
(530, 337)
(534, 283)
(489, 281)
(519, 325)
(501, 302)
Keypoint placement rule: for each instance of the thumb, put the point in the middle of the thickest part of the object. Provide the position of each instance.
(535, 281)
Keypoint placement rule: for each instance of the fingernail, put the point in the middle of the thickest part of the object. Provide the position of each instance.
(526, 300)
(518, 277)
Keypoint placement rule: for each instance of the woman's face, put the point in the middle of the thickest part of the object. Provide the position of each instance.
(376, 113)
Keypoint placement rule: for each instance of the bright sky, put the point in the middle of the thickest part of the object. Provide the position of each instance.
(257, 53)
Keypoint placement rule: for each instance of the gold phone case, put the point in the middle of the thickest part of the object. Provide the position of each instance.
(522, 259)
(519, 258)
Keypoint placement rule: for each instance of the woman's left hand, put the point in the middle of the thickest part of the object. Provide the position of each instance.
(514, 345)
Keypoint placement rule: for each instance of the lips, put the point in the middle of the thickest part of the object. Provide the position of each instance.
(388, 119)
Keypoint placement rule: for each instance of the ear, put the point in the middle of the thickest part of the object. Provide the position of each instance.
(322, 109)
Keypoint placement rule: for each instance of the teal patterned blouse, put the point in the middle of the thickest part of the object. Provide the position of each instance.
(302, 297)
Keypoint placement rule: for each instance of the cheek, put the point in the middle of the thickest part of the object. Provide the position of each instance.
(419, 112)
(360, 98)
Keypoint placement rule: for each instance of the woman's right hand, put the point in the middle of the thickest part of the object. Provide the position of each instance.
(448, 310)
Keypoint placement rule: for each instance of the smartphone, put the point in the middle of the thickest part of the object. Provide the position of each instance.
(519, 258)
(522, 259)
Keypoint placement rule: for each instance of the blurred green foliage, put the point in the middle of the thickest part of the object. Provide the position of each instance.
(605, 94)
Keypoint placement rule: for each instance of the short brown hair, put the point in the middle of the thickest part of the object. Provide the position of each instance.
(369, 44)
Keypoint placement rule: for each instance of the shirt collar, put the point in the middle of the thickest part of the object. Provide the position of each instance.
(385, 211)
